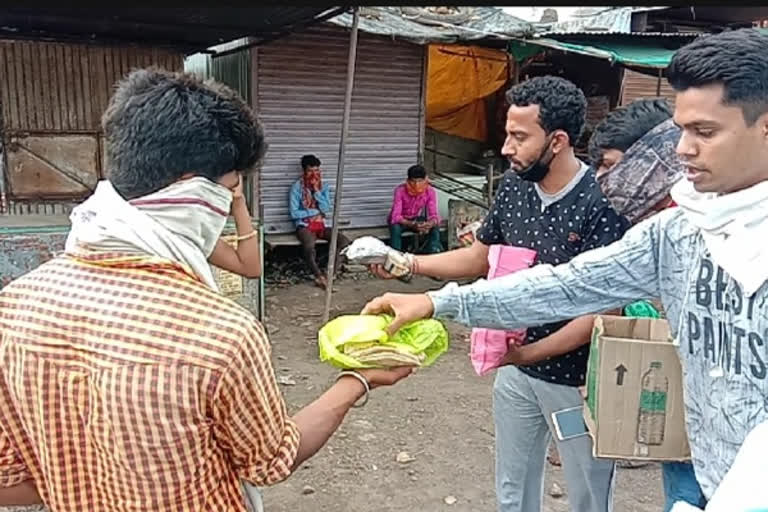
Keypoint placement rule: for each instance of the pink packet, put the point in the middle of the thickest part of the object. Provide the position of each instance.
(489, 346)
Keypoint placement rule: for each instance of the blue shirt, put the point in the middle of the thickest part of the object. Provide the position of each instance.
(299, 213)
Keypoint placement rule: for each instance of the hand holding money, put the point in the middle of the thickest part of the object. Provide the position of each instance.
(382, 260)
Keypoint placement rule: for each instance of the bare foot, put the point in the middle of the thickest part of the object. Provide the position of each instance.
(321, 282)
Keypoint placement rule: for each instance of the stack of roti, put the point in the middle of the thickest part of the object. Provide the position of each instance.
(382, 355)
(361, 341)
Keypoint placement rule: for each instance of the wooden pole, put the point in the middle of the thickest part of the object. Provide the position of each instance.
(658, 83)
(489, 179)
(340, 169)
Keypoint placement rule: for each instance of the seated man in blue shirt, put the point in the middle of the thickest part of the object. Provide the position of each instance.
(310, 204)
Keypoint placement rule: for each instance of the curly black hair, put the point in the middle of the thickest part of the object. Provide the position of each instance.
(625, 125)
(160, 125)
(562, 105)
(736, 59)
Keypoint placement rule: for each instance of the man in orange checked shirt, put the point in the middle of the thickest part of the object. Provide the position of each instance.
(126, 381)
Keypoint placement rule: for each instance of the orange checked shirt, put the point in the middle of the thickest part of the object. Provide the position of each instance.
(126, 384)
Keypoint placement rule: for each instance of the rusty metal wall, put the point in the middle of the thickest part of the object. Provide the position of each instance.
(52, 96)
(300, 99)
(52, 166)
(636, 85)
(57, 87)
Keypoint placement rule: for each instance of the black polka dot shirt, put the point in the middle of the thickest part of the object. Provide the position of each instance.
(581, 220)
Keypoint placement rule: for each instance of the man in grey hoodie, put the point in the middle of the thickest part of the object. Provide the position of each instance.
(704, 259)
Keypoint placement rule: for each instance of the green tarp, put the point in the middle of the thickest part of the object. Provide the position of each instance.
(638, 51)
(648, 54)
(522, 50)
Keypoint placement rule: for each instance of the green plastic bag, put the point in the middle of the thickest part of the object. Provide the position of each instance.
(361, 341)
(641, 309)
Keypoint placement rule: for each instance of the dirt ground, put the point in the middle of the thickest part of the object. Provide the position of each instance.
(440, 418)
(438, 421)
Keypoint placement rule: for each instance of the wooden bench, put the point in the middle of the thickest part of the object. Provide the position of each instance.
(272, 241)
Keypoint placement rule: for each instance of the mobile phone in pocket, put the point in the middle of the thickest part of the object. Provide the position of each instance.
(569, 423)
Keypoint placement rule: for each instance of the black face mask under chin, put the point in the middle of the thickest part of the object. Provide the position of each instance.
(539, 169)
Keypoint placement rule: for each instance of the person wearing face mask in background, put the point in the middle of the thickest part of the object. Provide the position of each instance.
(621, 129)
(414, 208)
(644, 188)
(127, 381)
(706, 259)
(633, 149)
(550, 202)
(310, 206)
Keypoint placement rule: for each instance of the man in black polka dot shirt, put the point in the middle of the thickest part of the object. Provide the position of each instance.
(550, 202)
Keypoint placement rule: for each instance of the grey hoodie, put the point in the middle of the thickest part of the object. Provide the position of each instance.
(718, 327)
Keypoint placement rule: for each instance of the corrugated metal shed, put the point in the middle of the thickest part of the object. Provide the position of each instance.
(300, 99)
(52, 96)
(482, 23)
(58, 69)
(58, 87)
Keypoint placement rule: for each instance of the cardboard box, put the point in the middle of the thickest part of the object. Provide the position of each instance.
(634, 408)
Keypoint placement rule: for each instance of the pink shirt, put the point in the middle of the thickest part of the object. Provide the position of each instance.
(408, 207)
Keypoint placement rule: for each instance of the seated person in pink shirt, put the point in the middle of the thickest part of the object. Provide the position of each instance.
(415, 209)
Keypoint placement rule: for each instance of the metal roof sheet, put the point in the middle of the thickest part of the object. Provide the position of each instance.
(400, 23)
